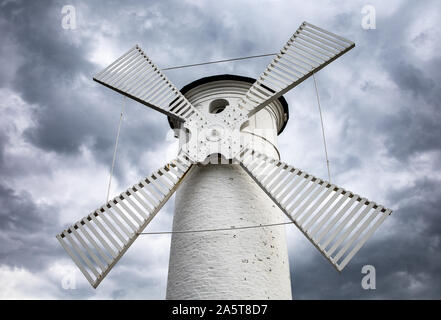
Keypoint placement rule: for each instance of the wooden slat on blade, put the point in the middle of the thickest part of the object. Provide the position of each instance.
(320, 207)
(302, 217)
(364, 239)
(345, 222)
(101, 240)
(349, 228)
(125, 216)
(88, 249)
(136, 76)
(81, 253)
(76, 260)
(329, 215)
(112, 223)
(148, 199)
(116, 62)
(105, 232)
(101, 252)
(334, 220)
(312, 211)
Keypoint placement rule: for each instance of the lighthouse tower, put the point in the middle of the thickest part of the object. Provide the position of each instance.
(233, 264)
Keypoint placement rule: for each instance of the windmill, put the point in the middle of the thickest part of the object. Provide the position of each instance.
(336, 221)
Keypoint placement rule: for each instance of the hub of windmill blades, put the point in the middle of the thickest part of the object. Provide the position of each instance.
(336, 221)
(215, 133)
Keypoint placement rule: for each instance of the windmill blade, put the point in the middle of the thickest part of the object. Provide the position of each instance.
(306, 52)
(336, 221)
(135, 76)
(96, 242)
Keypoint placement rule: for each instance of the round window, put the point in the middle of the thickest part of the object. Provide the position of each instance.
(217, 105)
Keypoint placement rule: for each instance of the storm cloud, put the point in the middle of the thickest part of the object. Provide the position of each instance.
(381, 108)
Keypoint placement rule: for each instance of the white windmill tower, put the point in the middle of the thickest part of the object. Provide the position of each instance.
(238, 121)
(244, 264)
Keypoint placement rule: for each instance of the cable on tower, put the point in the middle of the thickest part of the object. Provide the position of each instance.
(220, 61)
(220, 229)
(115, 149)
(323, 130)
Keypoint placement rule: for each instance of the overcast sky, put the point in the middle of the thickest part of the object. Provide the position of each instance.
(381, 108)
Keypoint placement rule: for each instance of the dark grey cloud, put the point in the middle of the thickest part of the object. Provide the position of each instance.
(415, 128)
(24, 231)
(50, 77)
(406, 259)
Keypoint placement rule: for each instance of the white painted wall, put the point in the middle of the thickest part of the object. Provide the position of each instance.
(239, 264)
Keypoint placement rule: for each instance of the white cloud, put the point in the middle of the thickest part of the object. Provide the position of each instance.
(19, 283)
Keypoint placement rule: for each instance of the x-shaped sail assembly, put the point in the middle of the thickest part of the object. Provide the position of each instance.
(337, 221)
